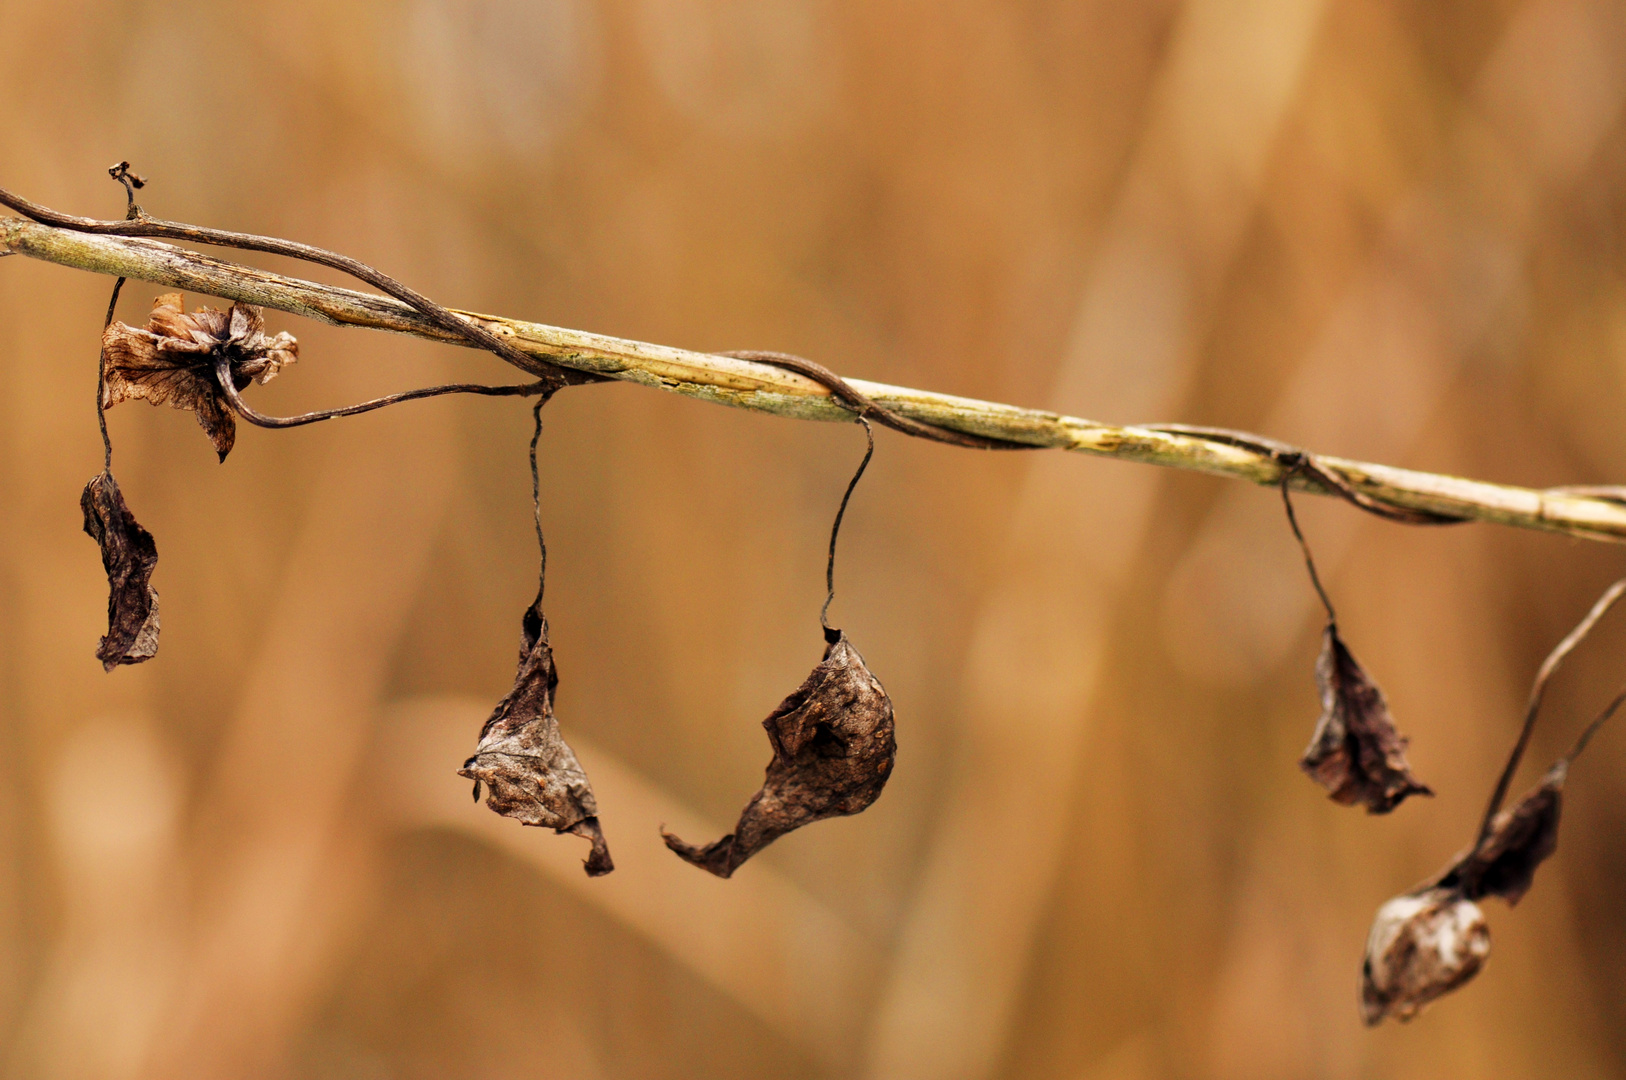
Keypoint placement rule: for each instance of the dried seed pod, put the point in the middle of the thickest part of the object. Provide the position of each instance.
(1356, 753)
(129, 555)
(1422, 945)
(172, 361)
(531, 773)
(833, 749)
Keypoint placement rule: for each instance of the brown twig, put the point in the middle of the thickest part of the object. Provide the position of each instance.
(864, 405)
(242, 408)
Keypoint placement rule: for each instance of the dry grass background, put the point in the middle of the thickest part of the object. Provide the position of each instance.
(1384, 228)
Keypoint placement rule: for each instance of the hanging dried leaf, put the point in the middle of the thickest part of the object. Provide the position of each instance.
(1356, 753)
(129, 556)
(531, 773)
(833, 749)
(1521, 838)
(171, 362)
(1422, 945)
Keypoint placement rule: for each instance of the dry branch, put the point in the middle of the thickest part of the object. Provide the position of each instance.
(765, 388)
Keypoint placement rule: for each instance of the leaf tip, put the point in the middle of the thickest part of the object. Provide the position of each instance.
(598, 861)
(717, 858)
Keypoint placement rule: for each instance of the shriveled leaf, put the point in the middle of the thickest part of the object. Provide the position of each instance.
(833, 749)
(1356, 753)
(530, 773)
(172, 361)
(129, 556)
(1422, 945)
(1521, 838)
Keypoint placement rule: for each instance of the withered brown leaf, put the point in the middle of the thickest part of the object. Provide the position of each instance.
(531, 774)
(171, 362)
(129, 555)
(833, 749)
(1521, 838)
(1423, 944)
(1356, 753)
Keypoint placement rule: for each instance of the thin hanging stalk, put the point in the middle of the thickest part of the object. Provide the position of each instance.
(835, 530)
(1538, 690)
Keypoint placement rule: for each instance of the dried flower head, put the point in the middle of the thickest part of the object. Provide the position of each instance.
(1422, 945)
(129, 555)
(530, 771)
(172, 361)
(1356, 753)
(833, 749)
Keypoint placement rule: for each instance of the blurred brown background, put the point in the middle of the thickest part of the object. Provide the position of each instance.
(1384, 228)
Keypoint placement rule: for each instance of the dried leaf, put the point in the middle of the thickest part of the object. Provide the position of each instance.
(1521, 838)
(129, 556)
(171, 362)
(531, 774)
(1422, 945)
(833, 749)
(1356, 753)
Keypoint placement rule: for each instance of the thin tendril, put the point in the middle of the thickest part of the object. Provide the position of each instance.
(130, 213)
(120, 172)
(835, 531)
(536, 501)
(101, 379)
(1309, 562)
(228, 386)
(1295, 459)
(864, 405)
(1537, 689)
(1592, 728)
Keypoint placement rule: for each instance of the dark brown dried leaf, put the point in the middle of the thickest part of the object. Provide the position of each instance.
(1356, 753)
(1422, 945)
(833, 749)
(1521, 838)
(531, 774)
(171, 362)
(129, 555)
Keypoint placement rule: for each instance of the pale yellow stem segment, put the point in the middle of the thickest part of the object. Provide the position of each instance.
(764, 388)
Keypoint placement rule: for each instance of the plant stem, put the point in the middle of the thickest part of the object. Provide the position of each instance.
(1595, 514)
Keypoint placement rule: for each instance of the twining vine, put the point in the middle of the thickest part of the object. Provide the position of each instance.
(833, 738)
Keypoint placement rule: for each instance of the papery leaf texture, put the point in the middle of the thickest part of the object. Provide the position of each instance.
(1356, 752)
(833, 749)
(529, 771)
(172, 361)
(1521, 838)
(129, 555)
